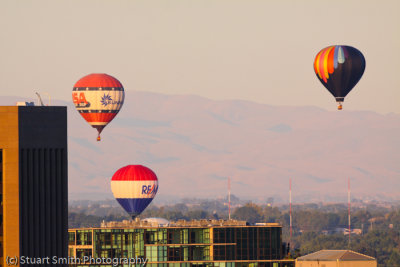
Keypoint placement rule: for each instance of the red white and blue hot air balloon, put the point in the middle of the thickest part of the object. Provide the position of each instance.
(134, 187)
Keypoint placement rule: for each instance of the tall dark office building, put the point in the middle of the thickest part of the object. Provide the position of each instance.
(34, 184)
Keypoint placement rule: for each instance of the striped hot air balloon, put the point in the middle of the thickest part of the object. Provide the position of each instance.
(98, 98)
(134, 187)
(339, 68)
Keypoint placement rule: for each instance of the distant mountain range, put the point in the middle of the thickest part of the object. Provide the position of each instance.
(193, 144)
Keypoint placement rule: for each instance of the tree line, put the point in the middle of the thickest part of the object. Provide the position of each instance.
(313, 225)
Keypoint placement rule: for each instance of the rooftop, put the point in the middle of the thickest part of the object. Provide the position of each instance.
(163, 223)
(334, 255)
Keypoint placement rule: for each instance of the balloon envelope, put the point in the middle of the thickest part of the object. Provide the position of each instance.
(339, 68)
(98, 98)
(134, 187)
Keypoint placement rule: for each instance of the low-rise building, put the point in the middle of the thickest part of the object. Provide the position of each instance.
(336, 258)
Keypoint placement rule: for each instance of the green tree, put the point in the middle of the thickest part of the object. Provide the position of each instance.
(394, 258)
(272, 214)
(173, 215)
(250, 213)
(197, 215)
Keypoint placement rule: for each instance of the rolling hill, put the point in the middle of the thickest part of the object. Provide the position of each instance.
(193, 144)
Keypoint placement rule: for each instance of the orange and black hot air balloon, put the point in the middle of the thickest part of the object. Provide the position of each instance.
(339, 68)
(98, 98)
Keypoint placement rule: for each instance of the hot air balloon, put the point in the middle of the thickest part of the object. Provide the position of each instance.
(339, 68)
(134, 187)
(98, 98)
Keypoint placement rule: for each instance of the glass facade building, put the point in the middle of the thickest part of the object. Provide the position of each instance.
(185, 245)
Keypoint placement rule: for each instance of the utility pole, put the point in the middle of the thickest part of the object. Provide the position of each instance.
(229, 198)
(290, 211)
(348, 198)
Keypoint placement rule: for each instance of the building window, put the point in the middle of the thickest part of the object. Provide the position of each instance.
(174, 236)
(71, 252)
(71, 238)
(175, 254)
(84, 238)
(80, 253)
(150, 237)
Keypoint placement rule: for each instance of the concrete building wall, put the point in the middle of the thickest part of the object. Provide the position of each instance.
(9, 146)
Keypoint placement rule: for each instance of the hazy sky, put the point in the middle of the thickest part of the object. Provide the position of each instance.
(261, 51)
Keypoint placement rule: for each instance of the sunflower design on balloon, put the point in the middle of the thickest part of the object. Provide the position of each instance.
(106, 99)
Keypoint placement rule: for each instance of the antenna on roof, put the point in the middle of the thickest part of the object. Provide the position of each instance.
(40, 99)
